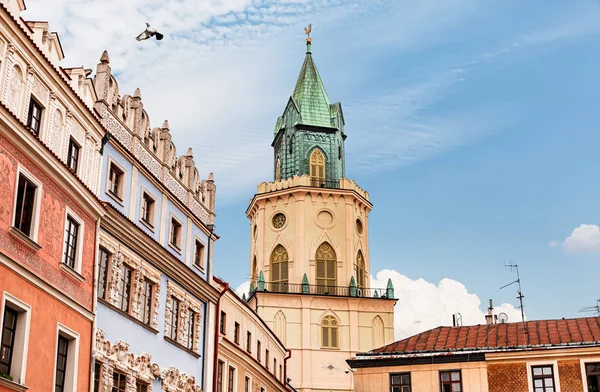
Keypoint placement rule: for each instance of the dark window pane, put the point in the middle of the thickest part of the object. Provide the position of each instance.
(125, 287)
(34, 116)
(71, 234)
(9, 328)
(73, 155)
(25, 205)
(61, 363)
(174, 318)
(103, 273)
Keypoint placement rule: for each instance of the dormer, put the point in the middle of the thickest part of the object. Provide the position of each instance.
(80, 82)
(47, 40)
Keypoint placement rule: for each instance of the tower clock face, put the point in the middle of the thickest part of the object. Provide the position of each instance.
(278, 220)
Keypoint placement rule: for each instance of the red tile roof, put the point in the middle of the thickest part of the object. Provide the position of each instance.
(540, 333)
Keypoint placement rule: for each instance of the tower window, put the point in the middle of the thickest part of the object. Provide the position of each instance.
(317, 168)
(360, 270)
(279, 269)
(329, 332)
(326, 269)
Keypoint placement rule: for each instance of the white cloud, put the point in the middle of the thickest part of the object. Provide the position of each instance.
(584, 238)
(423, 305)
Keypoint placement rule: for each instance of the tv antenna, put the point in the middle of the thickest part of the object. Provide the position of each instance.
(457, 320)
(515, 268)
(595, 309)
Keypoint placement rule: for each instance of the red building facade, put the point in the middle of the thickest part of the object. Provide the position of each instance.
(49, 215)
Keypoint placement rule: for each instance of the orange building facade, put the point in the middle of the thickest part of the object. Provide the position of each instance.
(49, 153)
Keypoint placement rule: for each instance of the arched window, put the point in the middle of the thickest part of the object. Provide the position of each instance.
(254, 276)
(329, 332)
(377, 330)
(317, 168)
(278, 170)
(359, 268)
(279, 325)
(326, 269)
(279, 269)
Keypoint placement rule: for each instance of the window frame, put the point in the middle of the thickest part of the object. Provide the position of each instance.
(179, 237)
(190, 338)
(258, 348)
(119, 197)
(450, 371)
(330, 319)
(72, 357)
(34, 102)
(103, 250)
(400, 374)
(236, 333)
(555, 374)
(147, 305)
(326, 282)
(267, 359)
(73, 146)
(583, 363)
(174, 316)
(120, 301)
(223, 323)
(249, 342)
(20, 351)
(79, 240)
(279, 262)
(121, 374)
(37, 202)
(151, 221)
(220, 368)
(201, 263)
(247, 383)
(231, 378)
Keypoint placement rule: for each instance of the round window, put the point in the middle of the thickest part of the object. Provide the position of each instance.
(359, 226)
(278, 220)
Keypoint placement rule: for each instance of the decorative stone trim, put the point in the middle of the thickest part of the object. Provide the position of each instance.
(174, 381)
(142, 271)
(186, 302)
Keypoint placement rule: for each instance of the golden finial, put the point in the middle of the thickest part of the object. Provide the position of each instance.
(307, 31)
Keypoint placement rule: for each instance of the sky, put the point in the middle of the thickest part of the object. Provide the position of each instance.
(472, 123)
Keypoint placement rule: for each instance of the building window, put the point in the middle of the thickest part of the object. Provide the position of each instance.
(71, 239)
(267, 359)
(7, 347)
(14, 337)
(103, 273)
(175, 234)
(400, 382)
(220, 367)
(222, 322)
(97, 376)
(148, 207)
(329, 332)
(125, 287)
(262, 389)
(360, 270)
(279, 269)
(450, 381)
(25, 206)
(119, 382)
(275, 367)
(199, 254)
(147, 289)
(191, 328)
(174, 319)
(34, 116)
(592, 371)
(231, 378)
(62, 353)
(326, 269)
(258, 350)
(141, 387)
(73, 155)
(236, 333)
(247, 384)
(248, 342)
(317, 168)
(115, 181)
(543, 378)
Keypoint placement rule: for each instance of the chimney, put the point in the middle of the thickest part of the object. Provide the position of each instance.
(489, 318)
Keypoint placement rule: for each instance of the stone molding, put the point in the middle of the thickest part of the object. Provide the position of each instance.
(186, 302)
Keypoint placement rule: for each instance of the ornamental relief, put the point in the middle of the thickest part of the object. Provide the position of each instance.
(186, 302)
(7, 167)
(40, 91)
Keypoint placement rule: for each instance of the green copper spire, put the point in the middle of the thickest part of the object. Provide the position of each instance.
(310, 122)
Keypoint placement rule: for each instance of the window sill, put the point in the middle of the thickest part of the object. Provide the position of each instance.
(200, 267)
(115, 198)
(11, 385)
(24, 238)
(127, 315)
(181, 346)
(175, 247)
(76, 275)
(149, 225)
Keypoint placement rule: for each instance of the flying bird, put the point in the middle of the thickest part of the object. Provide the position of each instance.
(149, 33)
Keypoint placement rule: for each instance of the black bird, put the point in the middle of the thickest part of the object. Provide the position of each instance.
(149, 33)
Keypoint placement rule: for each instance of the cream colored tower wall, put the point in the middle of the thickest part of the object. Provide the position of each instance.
(312, 217)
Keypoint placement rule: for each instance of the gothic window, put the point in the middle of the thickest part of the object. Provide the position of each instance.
(377, 330)
(254, 277)
(329, 332)
(279, 326)
(278, 170)
(326, 268)
(317, 168)
(359, 268)
(279, 269)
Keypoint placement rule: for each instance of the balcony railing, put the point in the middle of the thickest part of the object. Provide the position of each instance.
(313, 289)
(322, 183)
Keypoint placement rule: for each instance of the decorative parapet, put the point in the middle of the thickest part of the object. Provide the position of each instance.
(305, 180)
(129, 123)
(116, 357)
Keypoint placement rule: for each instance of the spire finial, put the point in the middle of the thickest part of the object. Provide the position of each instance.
(307, 31)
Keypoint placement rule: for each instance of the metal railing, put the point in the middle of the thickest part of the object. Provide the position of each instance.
(323, 183)
(313, 289)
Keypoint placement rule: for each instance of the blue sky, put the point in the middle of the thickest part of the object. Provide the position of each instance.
(473, 125)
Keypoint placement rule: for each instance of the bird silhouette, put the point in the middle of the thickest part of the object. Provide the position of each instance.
(149, 33)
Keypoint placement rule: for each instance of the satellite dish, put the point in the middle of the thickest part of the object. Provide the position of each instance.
(502, 318)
